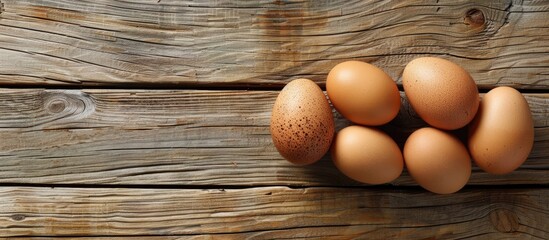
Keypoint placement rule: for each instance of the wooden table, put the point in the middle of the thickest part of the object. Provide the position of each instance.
(149, 118)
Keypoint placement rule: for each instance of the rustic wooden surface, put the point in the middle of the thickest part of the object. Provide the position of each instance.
(276, 212)
(190, 137)
(149, 118)
(69, 42)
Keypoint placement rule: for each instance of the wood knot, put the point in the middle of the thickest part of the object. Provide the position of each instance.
(279, 2)
(1, 7)
(18, 217)
(68, 104)
(474, 18)
(57, 105)
(504, 220)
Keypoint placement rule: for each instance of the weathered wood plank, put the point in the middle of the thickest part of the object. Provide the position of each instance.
(188, 137)
(266, 42)
(275, 212)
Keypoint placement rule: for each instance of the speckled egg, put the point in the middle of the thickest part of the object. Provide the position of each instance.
(302, 123)
(441, 92)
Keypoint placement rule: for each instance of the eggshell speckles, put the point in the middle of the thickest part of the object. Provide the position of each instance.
(441, 92)
(502, 134)
(363, 93)
(367, 155)
(437, 160)
(302, 124)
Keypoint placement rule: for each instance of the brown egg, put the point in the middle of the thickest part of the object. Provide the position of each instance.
(367, 155)
(502, 134)
(302, 123)
(441, 92)
(437, 160)
(363, 93)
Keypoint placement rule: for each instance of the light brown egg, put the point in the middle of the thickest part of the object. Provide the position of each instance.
(363, 93)
(367, 155)
(441, 92)
(437, 160)
(302, 123)
(502, 134)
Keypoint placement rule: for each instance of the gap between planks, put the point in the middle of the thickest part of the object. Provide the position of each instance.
(207, 87)
(381, 187)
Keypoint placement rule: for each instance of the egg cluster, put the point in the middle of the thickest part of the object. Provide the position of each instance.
(500, 126)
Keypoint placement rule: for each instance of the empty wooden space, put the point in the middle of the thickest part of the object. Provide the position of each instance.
(262, 43)
(275, 212)
(150, 118)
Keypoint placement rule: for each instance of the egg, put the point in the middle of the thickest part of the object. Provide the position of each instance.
(437, 160)
(442, 93)
(363, 93)
(502, 134)
(302, 123)
(367, 155)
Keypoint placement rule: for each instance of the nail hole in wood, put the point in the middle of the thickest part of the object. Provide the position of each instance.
(474, 18)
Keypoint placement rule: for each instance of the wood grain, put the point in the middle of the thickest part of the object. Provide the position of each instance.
(265, 43)
(183, 137)
(275, 212)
